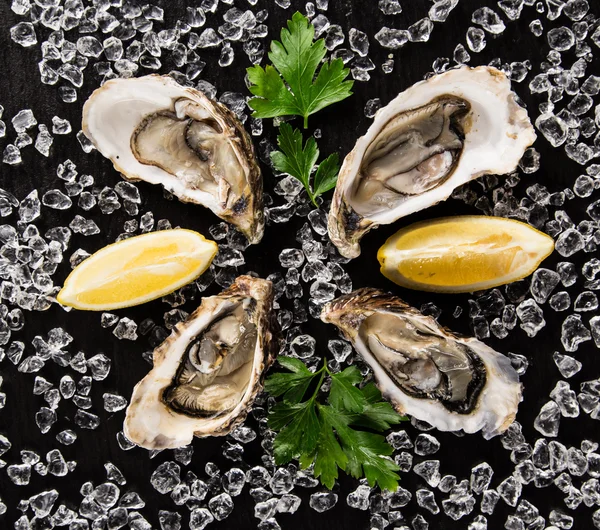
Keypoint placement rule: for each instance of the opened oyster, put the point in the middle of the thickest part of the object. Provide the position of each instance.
(430, 373)
(432, 138)
(208, 372)
(156, 130)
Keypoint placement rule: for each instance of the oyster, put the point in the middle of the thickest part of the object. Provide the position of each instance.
(433, 137)
(208, 372)
(426, 371)
(154, 129)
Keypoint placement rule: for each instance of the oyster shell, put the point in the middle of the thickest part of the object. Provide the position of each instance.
(154, 129)
(208, 372)
(433, 137)
(426, 371)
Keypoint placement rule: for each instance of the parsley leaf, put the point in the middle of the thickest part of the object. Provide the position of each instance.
(377, 415)
(299, 432)
(293, 158)
(292, 386)
(298, 160)
(343, 394)
(329, 457)
(329, 435)
(366, 451)
(326, 174)
(290, 87)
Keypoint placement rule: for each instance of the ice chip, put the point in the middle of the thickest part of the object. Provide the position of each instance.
(323, 501)
(547, 421)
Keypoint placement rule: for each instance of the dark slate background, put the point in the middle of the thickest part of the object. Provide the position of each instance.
(341, 125)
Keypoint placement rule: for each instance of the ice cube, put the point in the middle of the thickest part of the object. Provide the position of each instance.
(23, 33)
(288, 503)
(126, 329)
(488, 20)
(390, 7)
(568, 366)
(425, 444)
(566, 399)
(200, 518)
(441, 9)
(547, 421)
(281, 482)
(531, 316)
(420, 31)
(19, 474)
(569, 242)
(165, 477)
(113, 402)
(221, 506)
(359, 498)
(426, 499)
(303, 346)
(543, 282)
(86, 420)
(323, 501)
(233, 481)
(586, 301)
(561, 39)
(573, 333)
(552, 127)
(391, 38)
(429, 470)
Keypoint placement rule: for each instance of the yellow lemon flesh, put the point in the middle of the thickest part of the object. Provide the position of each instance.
(463, 254)
(137, 270)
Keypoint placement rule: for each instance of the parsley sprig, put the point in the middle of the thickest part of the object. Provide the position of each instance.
(299, 162)
(291, 85)
(337, 433)
(299, 83)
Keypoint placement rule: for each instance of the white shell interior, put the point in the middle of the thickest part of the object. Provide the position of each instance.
(149, 422)
(113, 113)
(497, 136)
(497, 404)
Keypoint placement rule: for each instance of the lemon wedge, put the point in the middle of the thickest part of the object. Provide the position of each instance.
(137, 270)
(463, 254)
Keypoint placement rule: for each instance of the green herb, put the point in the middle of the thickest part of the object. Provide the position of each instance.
(332, 434)
(292, 86)
(299, 161)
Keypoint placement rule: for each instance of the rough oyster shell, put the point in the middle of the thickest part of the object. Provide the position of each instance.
(493, 394)
(155, 130)
(494, 131)
(153, 420)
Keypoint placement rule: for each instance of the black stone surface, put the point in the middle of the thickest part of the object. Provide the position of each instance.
(341, 125)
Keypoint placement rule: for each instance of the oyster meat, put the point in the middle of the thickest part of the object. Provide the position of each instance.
(451, 382)
(154, 129)
(432, 138)
(208, 372)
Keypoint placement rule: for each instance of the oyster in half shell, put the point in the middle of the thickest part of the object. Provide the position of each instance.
(426, 371)
(154, 129)
(208, 372)
(433, 137)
